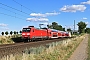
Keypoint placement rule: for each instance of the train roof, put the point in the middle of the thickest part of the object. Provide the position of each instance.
(44, 28)
(53, 30)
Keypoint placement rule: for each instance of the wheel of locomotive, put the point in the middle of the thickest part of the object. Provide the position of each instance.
(24, 40)
(42, 39)
(47, 38)
(28, 40)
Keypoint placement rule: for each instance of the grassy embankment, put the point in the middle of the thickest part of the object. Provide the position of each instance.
(9, 39)
(88, 58)
(54, 51)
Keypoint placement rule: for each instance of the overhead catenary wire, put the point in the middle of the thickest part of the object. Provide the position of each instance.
(12, 16)
(23, 6)
(14, 8)
(12, 11)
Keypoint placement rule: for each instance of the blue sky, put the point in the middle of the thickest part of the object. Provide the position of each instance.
(16, 14)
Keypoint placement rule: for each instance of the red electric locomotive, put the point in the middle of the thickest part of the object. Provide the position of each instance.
(31, 33)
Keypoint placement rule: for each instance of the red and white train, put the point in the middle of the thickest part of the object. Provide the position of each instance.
(31, 33)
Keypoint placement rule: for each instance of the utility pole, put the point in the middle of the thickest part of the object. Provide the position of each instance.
(65, 27)
(74, 26)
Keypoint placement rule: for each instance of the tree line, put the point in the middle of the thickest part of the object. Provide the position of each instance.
(55, 25)
(11, 32)
(82, 28)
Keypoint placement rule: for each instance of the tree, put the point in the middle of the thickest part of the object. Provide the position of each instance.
(81, 27)
(20, 32)
(87, 30)
(17, 32)
(6, 32)
(2, 33)
(54, 25)
(69, 29)
(59, 27)
(14, 32)
(11, 32)
(63, 29)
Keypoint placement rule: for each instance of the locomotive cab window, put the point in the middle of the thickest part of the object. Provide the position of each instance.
(26, 30)
(33, 30)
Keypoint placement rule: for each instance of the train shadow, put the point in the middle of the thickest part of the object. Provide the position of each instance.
(17, 39)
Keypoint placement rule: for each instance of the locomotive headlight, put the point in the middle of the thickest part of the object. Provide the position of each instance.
(28, 33)
(23, 34)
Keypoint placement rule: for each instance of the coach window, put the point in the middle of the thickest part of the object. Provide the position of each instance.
(50, 32)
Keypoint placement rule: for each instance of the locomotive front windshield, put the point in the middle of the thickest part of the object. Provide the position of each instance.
(26, 30)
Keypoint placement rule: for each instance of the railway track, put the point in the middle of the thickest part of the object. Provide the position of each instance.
(18, 48)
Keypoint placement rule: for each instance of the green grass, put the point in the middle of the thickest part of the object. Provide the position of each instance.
(88, 58)
(53, 51)
(9, 39)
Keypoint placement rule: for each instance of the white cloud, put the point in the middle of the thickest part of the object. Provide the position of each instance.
(38, 19)
(3, 25)
(84, 18)
(42, 19)
(44, 15)
(51, 14)
(73, 8)
(37, 15)
(24, 27)
(87, 23)
(4, 28)
(47, 23)
(88, 2)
